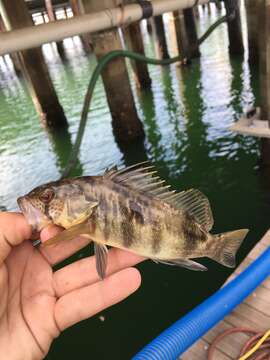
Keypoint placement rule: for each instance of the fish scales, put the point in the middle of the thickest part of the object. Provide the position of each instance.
(129, 219)
(132, 209)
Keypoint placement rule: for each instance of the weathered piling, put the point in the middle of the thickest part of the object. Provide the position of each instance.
(264, 48)
(149, 25)
(181, 35)
(52, 17)
(134, 42)
(15, 15)
(186, 33)
(125, 121)
(236, 46)
(160, 37)
(191, 33)
(78, 9)
(252, 26)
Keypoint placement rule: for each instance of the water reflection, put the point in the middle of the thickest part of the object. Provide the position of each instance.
(146, 101)
(62, 147)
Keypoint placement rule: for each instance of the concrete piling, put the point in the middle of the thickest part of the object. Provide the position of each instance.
(78, 9)
(181, 35)
(134, 42)
(52, 17)
(186, 33)
(126, 124)
(191, 33)
(252, 26)
(236, 46)
(161, 37)
(15, 15)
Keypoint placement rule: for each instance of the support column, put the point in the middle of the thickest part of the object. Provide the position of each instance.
(15, 15)
(264, 44)
(14, 56)
(191, 33)
(161, 38)
(125, 121)
(134, 41)
(181, 35)
(252, 26)
(236, 46)
(149, 25)
(52, 17)
(77, 9)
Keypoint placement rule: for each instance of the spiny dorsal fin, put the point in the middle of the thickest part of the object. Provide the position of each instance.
(142, 177)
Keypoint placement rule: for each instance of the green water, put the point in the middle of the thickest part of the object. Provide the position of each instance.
(186, 117)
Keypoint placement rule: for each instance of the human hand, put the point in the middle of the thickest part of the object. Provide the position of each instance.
(36, 304)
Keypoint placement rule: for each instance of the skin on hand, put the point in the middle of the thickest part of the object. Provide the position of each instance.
(36, 304)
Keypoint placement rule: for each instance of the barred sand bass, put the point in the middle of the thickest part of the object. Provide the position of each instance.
(132, 209)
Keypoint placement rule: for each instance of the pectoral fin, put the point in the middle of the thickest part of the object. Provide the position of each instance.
(68, 234)
(101, 253)
(187, 264)
(79, 213)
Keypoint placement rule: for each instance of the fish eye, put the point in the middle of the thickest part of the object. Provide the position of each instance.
(46, 196)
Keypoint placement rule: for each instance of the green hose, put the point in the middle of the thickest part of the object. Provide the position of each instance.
(101, 65)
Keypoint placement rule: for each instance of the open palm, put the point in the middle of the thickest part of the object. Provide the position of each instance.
(36, 304)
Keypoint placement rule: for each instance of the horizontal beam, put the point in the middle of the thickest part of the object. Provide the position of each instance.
(29, 37)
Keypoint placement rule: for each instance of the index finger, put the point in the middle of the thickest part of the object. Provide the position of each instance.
(14, 229)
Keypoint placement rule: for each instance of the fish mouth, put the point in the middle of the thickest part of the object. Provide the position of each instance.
(34, 216)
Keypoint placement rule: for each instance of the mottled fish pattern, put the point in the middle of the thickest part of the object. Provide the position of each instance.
(132, 209)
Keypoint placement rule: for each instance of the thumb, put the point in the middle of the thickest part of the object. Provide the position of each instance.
(14, 229)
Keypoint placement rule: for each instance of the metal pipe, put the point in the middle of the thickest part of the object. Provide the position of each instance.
(29, 37)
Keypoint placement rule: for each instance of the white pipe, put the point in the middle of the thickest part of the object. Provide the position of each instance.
(33, 36)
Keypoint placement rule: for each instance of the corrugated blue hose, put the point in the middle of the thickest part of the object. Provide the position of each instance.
(175, 340)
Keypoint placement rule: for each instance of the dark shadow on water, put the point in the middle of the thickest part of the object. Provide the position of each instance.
(153, 135)
(62, 147)
(134, 152)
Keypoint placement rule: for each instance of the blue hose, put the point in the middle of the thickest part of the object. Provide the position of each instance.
(175, 340)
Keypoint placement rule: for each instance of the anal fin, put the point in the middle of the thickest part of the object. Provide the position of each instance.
(185, 263)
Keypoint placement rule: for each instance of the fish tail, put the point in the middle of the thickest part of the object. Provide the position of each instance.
(226, 246)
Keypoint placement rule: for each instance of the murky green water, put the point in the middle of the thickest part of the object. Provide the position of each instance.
(186, 118)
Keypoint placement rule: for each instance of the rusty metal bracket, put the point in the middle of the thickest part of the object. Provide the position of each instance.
(147, 8)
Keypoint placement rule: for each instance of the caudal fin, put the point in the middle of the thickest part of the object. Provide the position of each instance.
(225, 246)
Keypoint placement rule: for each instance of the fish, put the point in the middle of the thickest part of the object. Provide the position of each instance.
(132, 209)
